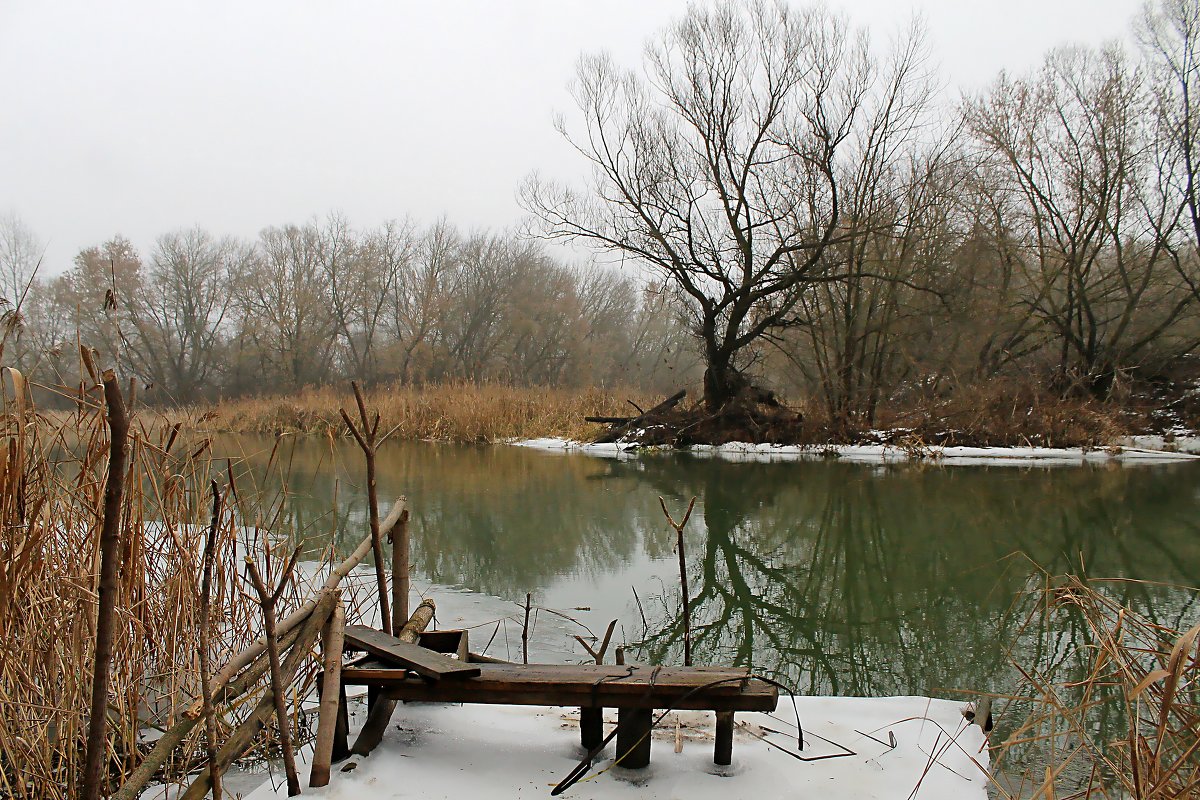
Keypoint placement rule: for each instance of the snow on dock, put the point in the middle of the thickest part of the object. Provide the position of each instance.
(455, 751)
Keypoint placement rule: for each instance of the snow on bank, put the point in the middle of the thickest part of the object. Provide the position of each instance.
(452, 751)
(1139, 452)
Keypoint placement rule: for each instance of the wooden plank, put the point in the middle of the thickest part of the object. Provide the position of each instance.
(581, 685)
(391, 650)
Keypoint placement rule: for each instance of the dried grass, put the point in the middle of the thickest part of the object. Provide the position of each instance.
(52, 471)
(1116, 714)
(458, 412)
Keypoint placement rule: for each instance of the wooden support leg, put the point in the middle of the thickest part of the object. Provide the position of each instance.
(372, 697)
(723, 753)
(633, 736)
(341, 732)
(591, 727)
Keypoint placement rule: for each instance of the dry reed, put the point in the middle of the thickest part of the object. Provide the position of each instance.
(1115, 712)
(458, 412)
(52, 479)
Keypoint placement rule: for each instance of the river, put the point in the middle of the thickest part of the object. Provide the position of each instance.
(839, 578)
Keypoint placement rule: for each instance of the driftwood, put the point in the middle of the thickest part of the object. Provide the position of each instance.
(110, 539)
(381, 712)
(241, 738)
(608, 420)
(617, 431)
(331, 685)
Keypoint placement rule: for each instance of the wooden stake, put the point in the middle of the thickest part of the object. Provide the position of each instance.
(110, 529)
(525, 631)
(687, 617)
(267, 600)
(210, 716)
(365, 434)
(398, 534)
(331, 685)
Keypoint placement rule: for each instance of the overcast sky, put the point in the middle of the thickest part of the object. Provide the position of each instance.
(140, 118)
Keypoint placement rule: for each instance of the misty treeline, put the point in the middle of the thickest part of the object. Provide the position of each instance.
(202, 316)
(808, 210)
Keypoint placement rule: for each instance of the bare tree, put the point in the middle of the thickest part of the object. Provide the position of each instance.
(285, 308)
(177, 320)
(20, 253)
(717, 169)
(1072, 146)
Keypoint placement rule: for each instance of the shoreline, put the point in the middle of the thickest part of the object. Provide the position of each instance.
(1137, 450)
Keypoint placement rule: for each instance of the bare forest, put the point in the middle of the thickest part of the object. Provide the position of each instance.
(777, 201)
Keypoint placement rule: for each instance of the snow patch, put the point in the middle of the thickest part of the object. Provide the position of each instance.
(1138, 450)
(451, 751)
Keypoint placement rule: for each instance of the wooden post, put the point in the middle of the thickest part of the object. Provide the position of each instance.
(110, 537)
(210, 716)
(400, 568)
(525, 630)
(723, 752)
(633, 736)
(591, 727)
(331, 683)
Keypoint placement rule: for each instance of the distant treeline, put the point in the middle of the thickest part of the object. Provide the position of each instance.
(1045, 230)
(200, 316)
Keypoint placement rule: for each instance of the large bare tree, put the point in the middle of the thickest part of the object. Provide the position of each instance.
(716, 167)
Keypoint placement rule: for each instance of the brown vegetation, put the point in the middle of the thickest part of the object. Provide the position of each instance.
(1120, 717)
(52, 487)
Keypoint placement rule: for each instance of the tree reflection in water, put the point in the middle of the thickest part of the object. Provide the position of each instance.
(839, 578)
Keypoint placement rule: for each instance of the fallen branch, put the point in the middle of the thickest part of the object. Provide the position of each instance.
(620, 430)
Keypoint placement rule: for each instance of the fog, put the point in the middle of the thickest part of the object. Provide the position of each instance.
(139, 118)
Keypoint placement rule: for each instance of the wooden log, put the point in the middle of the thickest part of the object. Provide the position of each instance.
(419, 621)
(608, 420)
(331, 683)
(620, 430)
(723, 752)
(633, 736)
(241, 738)
(400, 568)
(381, 712)
(297, 617)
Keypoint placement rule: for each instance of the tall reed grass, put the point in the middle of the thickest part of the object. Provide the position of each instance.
(458, 412)
(52, 474)
(1116, 711)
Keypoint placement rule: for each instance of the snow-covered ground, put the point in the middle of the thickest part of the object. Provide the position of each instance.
(1139, 450)
(455, 751)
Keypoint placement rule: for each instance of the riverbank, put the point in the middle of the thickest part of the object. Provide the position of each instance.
(992, 416)
(1127, 452)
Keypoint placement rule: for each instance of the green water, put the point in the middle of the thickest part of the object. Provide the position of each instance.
(840, 578)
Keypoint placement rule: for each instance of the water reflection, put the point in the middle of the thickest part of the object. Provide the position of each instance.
(842, 578)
